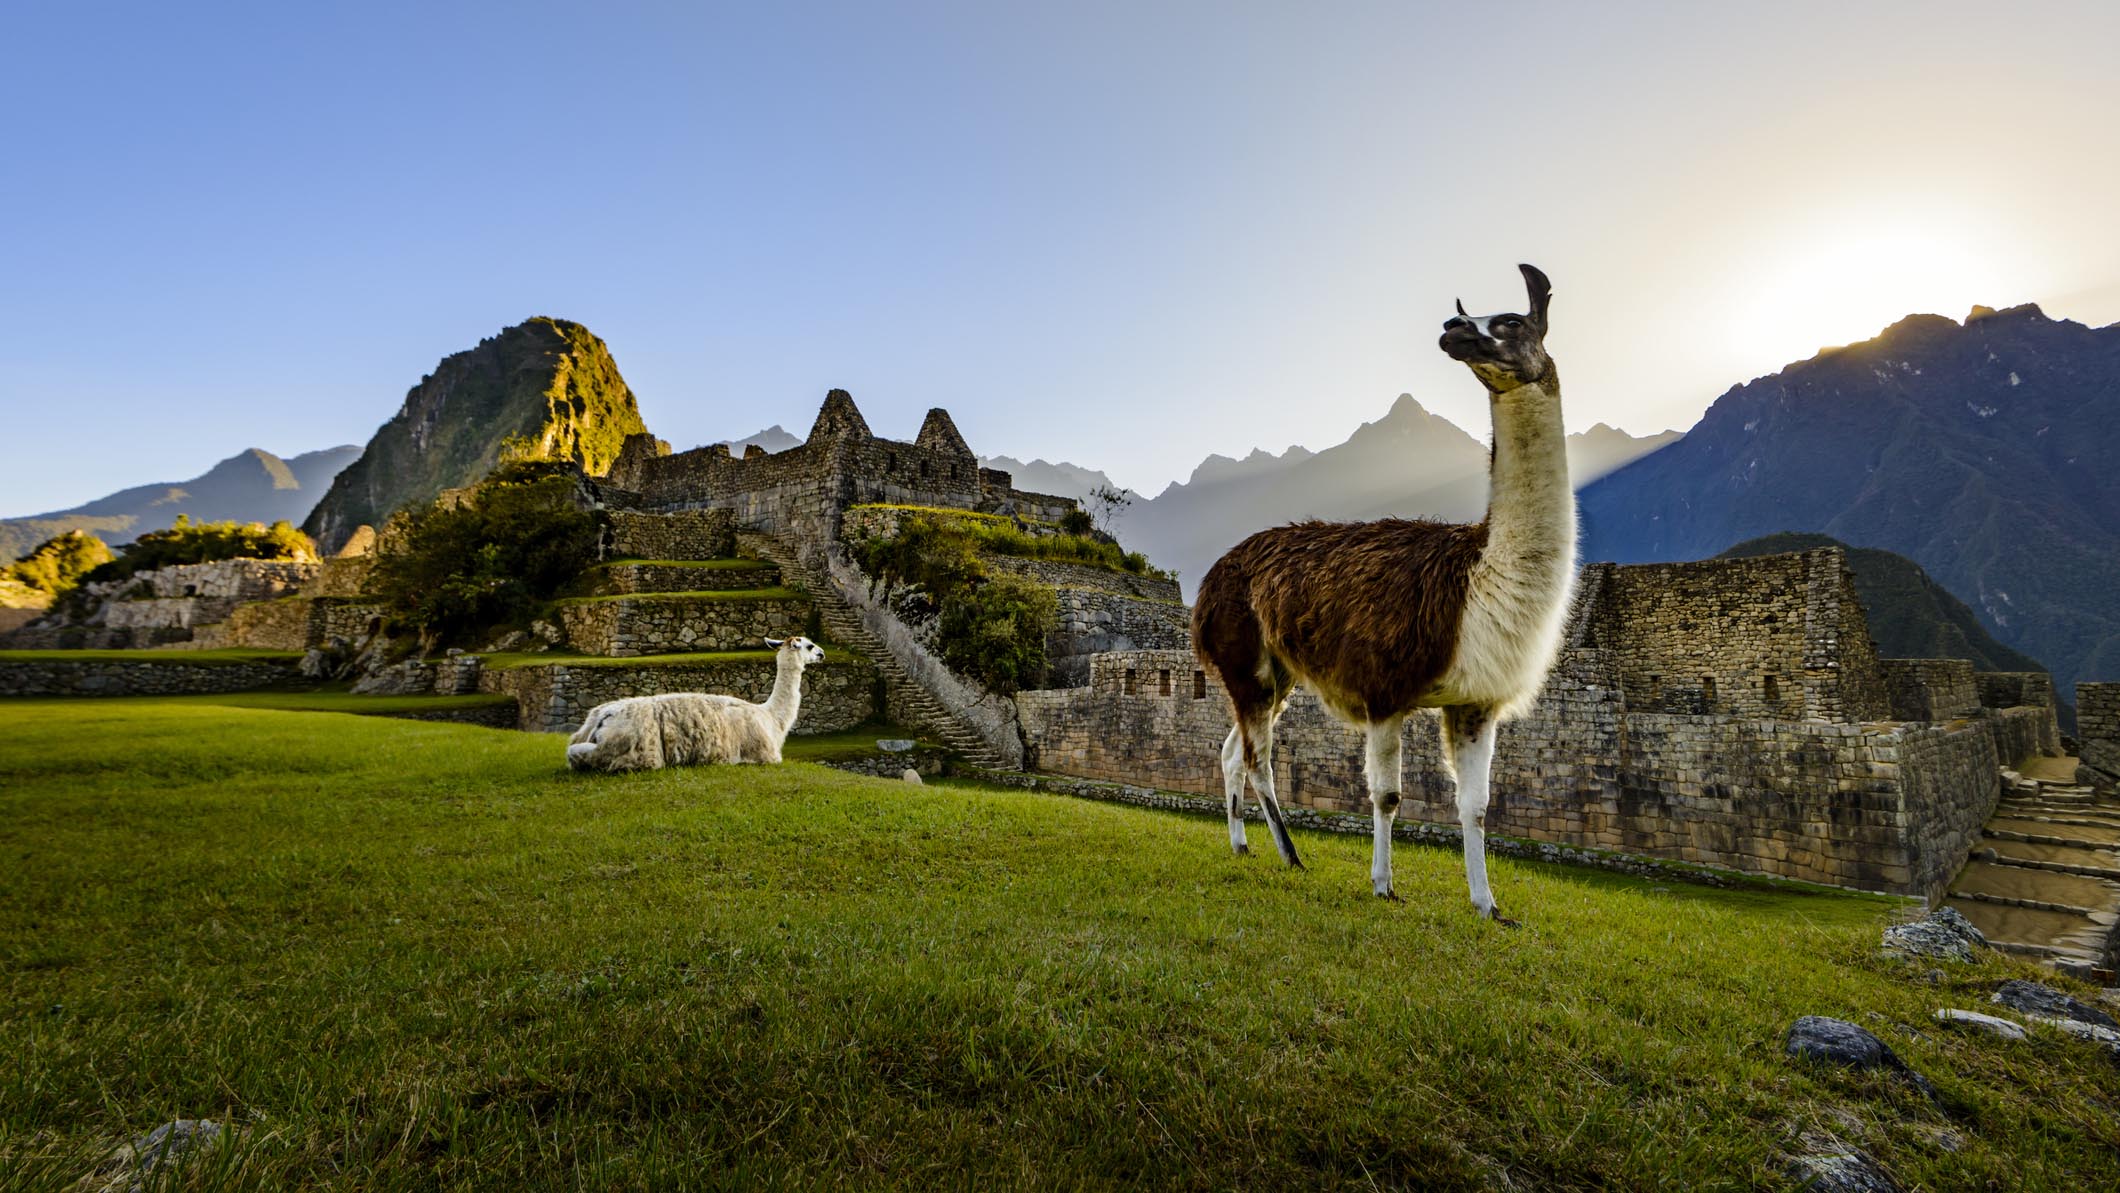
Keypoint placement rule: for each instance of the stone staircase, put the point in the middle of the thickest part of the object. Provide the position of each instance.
(909, 699)
(2045, 879)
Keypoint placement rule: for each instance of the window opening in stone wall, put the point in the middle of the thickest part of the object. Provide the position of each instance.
(1707, 688)
(890, 463)
(1129, 689)
(1771, 689)
(1163, 685)
(1199, 685)
(1656, 688)
(924, 470)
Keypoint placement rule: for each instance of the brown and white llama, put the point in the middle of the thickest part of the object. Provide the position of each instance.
(1379, 619)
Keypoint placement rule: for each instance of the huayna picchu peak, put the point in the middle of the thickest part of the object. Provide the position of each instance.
(545, 386)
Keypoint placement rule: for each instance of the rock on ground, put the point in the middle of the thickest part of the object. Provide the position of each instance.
(132, 1166)
(1987, 1023)
(1838, 1042)
(2035, 999)
(1834, 1167)
(1943, 933)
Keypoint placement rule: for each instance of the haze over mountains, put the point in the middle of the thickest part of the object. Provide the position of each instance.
(251, 486)
(1983, 451)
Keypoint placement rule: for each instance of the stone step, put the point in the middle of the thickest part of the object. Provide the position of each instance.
(2035, 931)
(2057, 831)
(2027, 886)
(2068, 859)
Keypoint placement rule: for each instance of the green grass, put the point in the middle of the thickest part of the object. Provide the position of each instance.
(336, 700)
(503, 661)
(203, 658)
(732, 594)
(410, 955)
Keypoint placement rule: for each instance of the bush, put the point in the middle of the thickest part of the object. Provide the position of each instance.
(1077, 521)
(991, 628)
(996, 632)
(204, 542)
(59, 563)
(456, 571)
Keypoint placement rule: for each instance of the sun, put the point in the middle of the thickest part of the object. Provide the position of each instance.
(1842, 279)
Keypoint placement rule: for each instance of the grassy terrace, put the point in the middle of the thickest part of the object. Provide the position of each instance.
(733, 594)
(410, 955)
(201, 658)
(502, 661)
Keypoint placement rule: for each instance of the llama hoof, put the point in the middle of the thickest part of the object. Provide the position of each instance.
(1495, 914)
(1242, 850)
(1388, 893)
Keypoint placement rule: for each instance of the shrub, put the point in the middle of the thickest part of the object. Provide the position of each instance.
(204, 542)
(1077, 521)
(995, 631)
(457, 570)
(58, 564)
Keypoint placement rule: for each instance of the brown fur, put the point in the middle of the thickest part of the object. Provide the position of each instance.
(1365, 614)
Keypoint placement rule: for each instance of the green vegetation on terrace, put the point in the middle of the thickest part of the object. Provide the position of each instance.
(226, 656)
(203, 542)
(403, 955)
(506, 660)
(459, 570)
(729, 594)
(1005, 536)
(56, 565)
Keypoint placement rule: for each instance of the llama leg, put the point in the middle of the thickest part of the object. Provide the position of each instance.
(1381, 769)
(1233, 787)
(1260, 735)
(1468, 733)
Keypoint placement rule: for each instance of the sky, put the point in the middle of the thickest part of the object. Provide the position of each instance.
(1125, 235)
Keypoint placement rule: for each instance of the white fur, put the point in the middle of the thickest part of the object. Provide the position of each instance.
(1517, 605)
(695, 728)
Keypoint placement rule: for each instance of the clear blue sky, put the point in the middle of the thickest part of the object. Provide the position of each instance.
(1122, 234)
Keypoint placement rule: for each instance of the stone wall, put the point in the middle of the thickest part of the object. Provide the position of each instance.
(625, 627)
(1877, 807)
(1082, 575)
(1091, 621)
(2024, 689)
(2098, 727)
(160, 677)
(682, 534)
(626, 578)
(296, 623)
(554, 697)
(342, 576)
(1778, 636)
(1929, 689)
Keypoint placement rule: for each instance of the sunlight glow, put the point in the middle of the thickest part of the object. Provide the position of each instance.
(1845, 278)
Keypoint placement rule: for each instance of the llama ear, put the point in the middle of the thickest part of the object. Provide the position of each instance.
(1540, 290)
(1461, 309)
(775, 643)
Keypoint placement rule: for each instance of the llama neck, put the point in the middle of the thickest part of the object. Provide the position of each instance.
(1530, 505)
(786, 699)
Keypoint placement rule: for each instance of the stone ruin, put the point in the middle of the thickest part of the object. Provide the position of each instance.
(1731, 713)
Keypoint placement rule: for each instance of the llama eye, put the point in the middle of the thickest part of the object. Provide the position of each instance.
(1512, 321)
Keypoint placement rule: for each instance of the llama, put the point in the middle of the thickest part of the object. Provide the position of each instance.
(695, 728)
(1381, 618)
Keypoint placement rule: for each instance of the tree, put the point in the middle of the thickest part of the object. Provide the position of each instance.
(1107, 504)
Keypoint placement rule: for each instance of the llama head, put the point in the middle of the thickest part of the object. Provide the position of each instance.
(802, 650)
(1508, 350)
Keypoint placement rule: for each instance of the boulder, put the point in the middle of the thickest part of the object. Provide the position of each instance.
(1942, 933)
(2047, 1002)
(1990, 1024)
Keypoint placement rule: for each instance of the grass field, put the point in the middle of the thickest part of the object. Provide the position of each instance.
(410, 955)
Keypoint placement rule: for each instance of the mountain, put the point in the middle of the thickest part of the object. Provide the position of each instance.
(774, 439)
(547, 385)
(1409, 463)
(1060, 480)
(1983, 451)
(251, 486)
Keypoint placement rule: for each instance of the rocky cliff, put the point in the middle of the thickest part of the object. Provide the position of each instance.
(546, 385)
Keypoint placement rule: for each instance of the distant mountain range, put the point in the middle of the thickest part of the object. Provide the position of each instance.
(1984, 451)
(251, 486)
(1409, 463)
(546, 384)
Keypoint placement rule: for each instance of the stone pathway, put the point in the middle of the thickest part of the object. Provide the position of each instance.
(843, 626)
(2045, 880)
